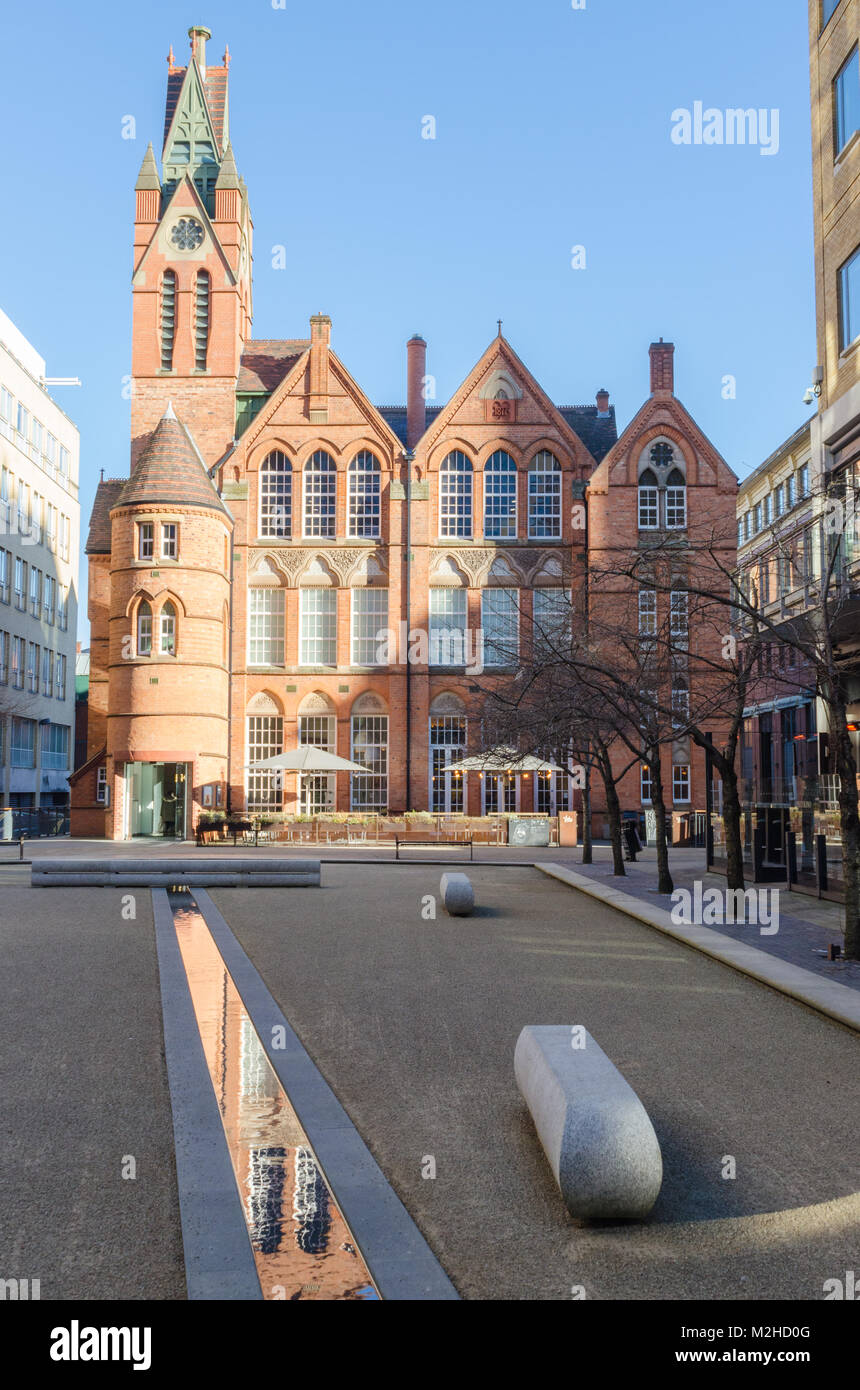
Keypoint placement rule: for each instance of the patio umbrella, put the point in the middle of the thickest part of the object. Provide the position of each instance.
(503, 759)
(307, 758)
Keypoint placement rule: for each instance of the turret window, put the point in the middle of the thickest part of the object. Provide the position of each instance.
(276, 485)
(201, 319)
(144, 630)
(167, 628)
(169, 540)
(168, 318)
(145, 540)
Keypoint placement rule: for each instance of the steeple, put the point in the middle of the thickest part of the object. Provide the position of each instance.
(195, 120)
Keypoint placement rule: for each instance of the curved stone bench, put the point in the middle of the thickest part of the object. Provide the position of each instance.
(458, 895)
(594, 1129)
(219, 871)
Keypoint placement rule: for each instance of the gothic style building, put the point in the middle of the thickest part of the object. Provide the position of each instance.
(275, 523)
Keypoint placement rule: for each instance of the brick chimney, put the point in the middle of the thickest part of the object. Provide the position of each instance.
(603, 401)
(416, 406)
(662, 368)
(320, 339)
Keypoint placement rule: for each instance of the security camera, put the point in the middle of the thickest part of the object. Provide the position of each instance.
(808, 396)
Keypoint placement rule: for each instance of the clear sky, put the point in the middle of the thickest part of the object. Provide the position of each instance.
(553, 129)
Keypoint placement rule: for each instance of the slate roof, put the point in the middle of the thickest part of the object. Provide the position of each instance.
(170, 470)
(266, 361)
(597, 432)
(395, 416)
(107, 492)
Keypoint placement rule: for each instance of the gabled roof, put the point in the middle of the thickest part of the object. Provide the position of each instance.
(395, 417)
(266, 361)
(107, 492)
(170, 470)
(661, 411)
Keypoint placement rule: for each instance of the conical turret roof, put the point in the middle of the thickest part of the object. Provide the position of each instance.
(170, 470)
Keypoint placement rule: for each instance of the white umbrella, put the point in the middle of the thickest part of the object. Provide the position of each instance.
(307, 758)
(503, 760)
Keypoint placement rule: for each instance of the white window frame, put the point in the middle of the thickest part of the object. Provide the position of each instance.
(364, 497)
(374, 783)
(264, 738)
(368, 608)
(266, 607)
(456, 496)
(500, 623)
(544, 496)
(317, 627)
(648, 506)
(647, 612)
(448, 611)
(319, 477)
(146, 540)
(681, 784)
(275, 502)
(169, 540)
(500, 496)
(676, 507)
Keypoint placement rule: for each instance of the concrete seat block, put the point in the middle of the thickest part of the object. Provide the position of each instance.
(594, 1129)
(281, 880)
(458, 895)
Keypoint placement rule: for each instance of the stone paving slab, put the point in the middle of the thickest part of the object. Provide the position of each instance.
(413, 1023)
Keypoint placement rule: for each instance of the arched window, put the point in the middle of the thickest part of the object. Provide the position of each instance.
(167, 629)
(320, 495)
(144, 629)
(545, 497)
(201, 319)
(276, 501)
(500, 496)
(168, 318)
(676, 500)
(649, 505)
(363, 495)
(455, 495)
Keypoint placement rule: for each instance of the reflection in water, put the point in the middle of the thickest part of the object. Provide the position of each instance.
(302, 1246)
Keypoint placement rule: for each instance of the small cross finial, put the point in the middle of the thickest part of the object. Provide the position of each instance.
(171, 59)
(499, 322)
(226, 59)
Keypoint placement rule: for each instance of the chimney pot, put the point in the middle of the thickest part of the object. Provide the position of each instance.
(603, 401)
(416, 406)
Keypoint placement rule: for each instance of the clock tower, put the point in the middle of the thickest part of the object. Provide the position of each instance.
(191, 286)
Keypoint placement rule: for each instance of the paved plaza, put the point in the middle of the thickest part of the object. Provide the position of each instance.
(412, 1021)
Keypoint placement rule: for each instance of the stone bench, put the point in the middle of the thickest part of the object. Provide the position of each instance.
(457, 893)
(594, 1129)
(221, 871)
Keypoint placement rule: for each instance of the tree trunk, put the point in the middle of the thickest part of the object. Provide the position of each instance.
(613, 808)
(587, 856)
(664, 877)
(849, 822)
(732, 825)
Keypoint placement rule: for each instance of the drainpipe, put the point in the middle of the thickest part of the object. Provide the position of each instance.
(408, 457)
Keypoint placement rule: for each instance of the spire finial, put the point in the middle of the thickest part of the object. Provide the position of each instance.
(226, 59)
(499, 322)
(171, 59)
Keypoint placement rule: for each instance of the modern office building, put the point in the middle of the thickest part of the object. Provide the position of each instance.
(39, 541)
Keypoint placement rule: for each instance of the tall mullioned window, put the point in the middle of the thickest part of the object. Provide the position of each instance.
(500, 617)
(553, 621)
(545, 497)
(318, 627)
(369, 620)
(448, 734)
(265, 627)
(265, 740)
(649, 501)
(320, 495)
(144, 630)
(168, 318)
(500, 497)
(676, 501)
(202, 294)
(276, 495)
(448, 623)
(363, 496)
(369, 790)
(455, 495)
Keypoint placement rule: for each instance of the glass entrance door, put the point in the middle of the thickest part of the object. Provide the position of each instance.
(156, 799)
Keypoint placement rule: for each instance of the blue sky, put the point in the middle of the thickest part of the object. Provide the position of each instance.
(553, 130)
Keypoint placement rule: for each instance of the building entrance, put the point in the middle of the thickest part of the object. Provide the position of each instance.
(156, 799)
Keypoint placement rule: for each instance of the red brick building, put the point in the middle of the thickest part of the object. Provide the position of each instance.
(289, 563)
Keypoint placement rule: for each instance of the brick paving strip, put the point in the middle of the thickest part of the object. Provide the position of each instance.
(836, 1000)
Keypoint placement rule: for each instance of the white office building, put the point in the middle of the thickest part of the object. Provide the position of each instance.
(39, 544)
